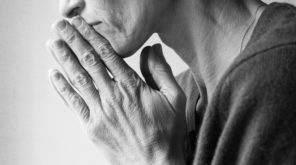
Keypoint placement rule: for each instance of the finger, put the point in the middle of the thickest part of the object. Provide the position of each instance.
(78, 77)
(145, 68)
(158, 73)
(68, 94)
(116, 65)
(85, 53)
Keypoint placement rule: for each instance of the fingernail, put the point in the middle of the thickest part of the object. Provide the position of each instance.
(61, 25)
(58, 44)
(77, 21)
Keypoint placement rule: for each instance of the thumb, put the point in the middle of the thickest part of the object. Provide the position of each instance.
(158, 74)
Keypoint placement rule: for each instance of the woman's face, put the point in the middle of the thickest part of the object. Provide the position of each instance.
(127, 24)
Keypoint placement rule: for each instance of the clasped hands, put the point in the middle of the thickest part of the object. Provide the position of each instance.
(130, 120)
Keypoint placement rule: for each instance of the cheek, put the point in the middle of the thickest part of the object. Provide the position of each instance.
(122, 32)
(125, 37)
(131, 39)
(135, 30)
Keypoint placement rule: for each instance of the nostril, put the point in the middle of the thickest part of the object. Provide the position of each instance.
(71, 8)
(74, 12)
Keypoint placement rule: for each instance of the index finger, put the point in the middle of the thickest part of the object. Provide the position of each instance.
(115, 64)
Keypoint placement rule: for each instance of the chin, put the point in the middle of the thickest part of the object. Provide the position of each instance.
(124, 46)
(124, 50)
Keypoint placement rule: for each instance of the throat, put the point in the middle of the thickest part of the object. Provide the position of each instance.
(210, 36)
(219, 48)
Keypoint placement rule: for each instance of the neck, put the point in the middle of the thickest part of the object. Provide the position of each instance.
(208, 36)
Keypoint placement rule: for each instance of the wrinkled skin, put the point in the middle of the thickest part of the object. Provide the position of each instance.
(129, 120)
(126, 24)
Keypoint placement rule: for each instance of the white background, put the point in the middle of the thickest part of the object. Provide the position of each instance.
(36, 128)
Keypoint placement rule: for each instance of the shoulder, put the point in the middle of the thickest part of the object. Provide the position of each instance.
(268, 61)
(260, 90)
(267, 79)
(276, 66)
(256, 104)
(276, 27)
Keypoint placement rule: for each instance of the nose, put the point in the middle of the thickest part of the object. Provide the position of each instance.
(71, 8)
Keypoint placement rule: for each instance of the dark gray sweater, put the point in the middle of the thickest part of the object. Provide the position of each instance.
(251, 119)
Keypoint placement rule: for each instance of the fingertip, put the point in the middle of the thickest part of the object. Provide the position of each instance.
(156, 45)
(51, 74)
(158, 48)
(144, 56)
(77, 21)
(145, 50)
(48, 46)
(57, 44)
(48, 43)
(59, 25)
(55, 47)
(54, 25)
(52, 71)
(54, 74)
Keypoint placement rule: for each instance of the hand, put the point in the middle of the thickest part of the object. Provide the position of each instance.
(130, 121)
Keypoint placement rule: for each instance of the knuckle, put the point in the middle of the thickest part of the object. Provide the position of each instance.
(81, 80)
(161, 69)
(100, 71)
(70, 36)
(63, 89)
(87, 33)
(76, 101)
(78, 104)
(110, 115)
(105, 50)
(131, 81)
(113, 98)
(62, 86)
(110, 98)
(130, 74)
(98, 132)
(89, 59)
(60, 50)
(64, 56)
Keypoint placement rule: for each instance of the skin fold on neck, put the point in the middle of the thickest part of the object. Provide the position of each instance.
(207, 35)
